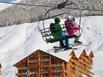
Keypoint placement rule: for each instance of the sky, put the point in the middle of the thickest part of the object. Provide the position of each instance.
(26, 39)
(6, 0)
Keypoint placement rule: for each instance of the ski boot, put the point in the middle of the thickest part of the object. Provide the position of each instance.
(66, 48)
(76, 42)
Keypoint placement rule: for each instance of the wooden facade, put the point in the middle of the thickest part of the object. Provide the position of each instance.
(42, 64)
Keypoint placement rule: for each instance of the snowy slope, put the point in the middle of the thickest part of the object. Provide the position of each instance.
(4, 5)
(17, 42)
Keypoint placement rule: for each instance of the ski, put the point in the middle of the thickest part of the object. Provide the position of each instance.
(82, 44)
(57, 48)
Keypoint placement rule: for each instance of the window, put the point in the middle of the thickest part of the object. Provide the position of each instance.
(31, 75)
(56, 69)
(73, 68)
(56, 75)
(24, 66)
(65, 66)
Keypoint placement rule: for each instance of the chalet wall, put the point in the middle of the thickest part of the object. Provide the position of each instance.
(42, 64)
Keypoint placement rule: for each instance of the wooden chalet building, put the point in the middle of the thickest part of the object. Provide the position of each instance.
(43, 64)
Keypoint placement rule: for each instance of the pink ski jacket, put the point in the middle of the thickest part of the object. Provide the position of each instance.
(71, 27)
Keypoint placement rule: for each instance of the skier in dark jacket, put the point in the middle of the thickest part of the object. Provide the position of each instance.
(58, 29)
(58, 33)
(52, 28)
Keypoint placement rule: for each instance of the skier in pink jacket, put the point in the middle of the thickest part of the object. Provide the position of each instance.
(72, 28)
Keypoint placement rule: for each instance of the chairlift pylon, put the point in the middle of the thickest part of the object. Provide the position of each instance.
(45, 31)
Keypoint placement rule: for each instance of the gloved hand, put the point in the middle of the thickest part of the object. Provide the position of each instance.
(78, 27)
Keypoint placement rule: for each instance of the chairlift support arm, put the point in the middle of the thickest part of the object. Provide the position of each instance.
(63, 5)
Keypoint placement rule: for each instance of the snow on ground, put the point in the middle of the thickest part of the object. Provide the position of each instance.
(17, 42)
(5, 5)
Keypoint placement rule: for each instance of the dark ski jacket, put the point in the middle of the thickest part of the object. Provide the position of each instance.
(52, 28)
(58, 31)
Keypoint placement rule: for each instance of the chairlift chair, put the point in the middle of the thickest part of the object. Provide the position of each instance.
(45, 31)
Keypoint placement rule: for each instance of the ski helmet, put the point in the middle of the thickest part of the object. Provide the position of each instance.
(57, 19)
(71, 18)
